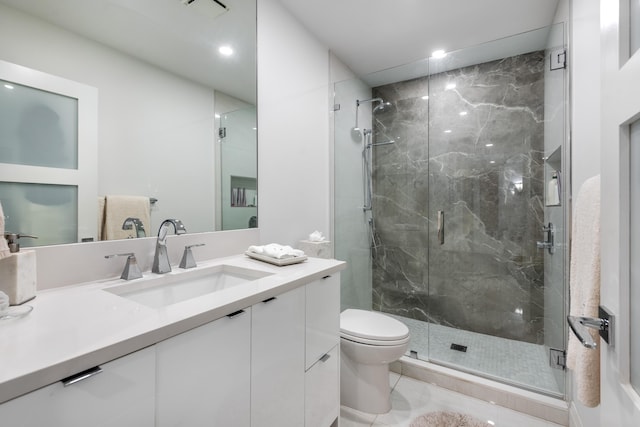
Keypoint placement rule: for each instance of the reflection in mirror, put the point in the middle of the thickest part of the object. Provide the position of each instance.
(161, 83)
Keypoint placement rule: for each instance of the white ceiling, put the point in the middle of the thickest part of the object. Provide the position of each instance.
(181, 39)
(368, 35)
(372, 35)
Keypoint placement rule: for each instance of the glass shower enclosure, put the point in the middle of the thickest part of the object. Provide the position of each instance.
(464, 239)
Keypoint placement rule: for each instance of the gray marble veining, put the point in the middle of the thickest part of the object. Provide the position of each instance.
(474, 151)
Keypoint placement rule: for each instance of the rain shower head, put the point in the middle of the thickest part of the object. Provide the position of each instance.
(383, 107)
(356, 132)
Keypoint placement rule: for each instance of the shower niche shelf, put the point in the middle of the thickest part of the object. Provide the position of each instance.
(553, 178)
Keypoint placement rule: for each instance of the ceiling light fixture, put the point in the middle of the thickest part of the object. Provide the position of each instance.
(225, 50)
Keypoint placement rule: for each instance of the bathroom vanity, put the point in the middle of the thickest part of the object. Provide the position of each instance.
(258, 351)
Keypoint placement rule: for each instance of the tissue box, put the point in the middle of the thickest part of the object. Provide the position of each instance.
(18, 276)
(315, 249)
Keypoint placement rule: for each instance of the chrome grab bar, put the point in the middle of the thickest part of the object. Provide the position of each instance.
(604, 324)
(441, 227)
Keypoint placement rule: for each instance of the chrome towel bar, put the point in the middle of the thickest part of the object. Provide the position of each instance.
(604, 324)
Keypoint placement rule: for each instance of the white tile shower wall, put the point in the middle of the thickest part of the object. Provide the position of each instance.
(122, 140)
(293, 126)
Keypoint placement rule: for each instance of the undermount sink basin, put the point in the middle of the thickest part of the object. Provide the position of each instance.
(170, 289)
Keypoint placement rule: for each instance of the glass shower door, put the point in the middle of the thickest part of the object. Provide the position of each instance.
(238, 169)
(496, 300)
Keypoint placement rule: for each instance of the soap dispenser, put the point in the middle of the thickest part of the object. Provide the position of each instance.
(18, 271)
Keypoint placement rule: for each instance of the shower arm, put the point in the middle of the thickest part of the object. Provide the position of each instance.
(362, 101)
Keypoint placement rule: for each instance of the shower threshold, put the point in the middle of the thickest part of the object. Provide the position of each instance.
(520, 364)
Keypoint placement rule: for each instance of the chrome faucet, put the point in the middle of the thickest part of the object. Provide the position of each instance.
(161, 258)
(136, 224)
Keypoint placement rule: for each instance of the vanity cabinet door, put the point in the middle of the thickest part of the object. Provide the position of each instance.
(277, 361)
(122, 395)
(322, 317)
(203, 375)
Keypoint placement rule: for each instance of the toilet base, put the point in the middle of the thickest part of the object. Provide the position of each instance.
(365, 387)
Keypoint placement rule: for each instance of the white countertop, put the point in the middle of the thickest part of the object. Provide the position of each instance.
(74, 328)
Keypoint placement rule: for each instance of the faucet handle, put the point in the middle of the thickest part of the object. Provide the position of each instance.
(188, 261)
(131, 270)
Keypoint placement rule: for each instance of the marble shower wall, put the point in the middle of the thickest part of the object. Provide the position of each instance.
(473, 151)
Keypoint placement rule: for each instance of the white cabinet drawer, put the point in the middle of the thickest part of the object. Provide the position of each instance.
(322, 317)
(322, 385)
(122, 395)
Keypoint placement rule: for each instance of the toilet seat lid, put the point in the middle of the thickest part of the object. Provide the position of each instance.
(372, 325)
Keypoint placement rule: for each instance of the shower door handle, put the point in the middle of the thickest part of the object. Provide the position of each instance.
(441, 227)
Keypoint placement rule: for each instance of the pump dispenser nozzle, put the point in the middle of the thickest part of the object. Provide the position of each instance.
(12, 241)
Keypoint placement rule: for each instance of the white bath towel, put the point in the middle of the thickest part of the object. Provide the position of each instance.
(118, 208)
(101, 202)
(4, 247)
(274, 250)
(584, 288)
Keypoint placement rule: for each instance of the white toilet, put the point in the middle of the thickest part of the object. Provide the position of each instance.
(369, 341)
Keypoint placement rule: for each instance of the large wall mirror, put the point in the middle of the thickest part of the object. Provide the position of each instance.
(153, 104)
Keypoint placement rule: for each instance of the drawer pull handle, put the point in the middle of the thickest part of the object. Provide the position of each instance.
(269, 300)
(235, 313)
(325, 357)
(81, 376)
(326, 277)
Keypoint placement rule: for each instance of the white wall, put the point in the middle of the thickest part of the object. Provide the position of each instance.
(584, 57)
(142, 138)
(585, 88)
(293, 127)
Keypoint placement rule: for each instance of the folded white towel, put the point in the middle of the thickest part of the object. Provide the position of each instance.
(274, 250)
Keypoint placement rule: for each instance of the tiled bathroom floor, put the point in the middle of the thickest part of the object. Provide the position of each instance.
(411, 398)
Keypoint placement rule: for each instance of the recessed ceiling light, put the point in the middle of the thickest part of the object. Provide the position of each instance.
(448, 131)
(463, 113)
(225, 50)
(425, 97)
(488, 145)
(8, 86)
(492, 161)
(450, 86)
(440, 53)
